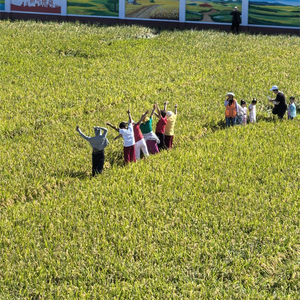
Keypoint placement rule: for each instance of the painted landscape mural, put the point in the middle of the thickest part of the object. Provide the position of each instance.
(38, 6)
(274, 12)
(2, 5)
(153, 9)
(105, 8)
(211, 11)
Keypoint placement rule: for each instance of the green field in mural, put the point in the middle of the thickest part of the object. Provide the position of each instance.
(94, 7)
(277, 15)
(210, 11)
(153, 9)
(2, 5)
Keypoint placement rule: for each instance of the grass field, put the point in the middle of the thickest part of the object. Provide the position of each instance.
(215, 218)
(274, 15)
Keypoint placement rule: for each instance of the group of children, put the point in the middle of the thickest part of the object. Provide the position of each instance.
(137, 136)
(236, 114)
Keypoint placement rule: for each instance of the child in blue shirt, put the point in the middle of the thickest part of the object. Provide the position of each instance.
(292, 109)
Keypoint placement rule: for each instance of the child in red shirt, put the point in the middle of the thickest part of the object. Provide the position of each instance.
(161, 125)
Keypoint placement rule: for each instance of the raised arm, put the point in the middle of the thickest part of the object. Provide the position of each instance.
(143, 117)
(152, 112)
(129, 116)
(104, 131)
(176, 105)
(158, 114)
(165, 105)
(112, 126)
(82, 134)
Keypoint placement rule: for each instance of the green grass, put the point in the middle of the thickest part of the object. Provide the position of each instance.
(215, 218)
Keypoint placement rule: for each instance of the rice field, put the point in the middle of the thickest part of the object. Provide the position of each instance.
(217, 217)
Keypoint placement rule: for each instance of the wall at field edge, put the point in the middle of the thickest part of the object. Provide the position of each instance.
(155, 24)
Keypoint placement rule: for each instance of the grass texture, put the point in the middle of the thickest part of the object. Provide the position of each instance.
(215, 218)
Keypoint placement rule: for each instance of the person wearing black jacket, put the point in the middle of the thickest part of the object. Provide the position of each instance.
(236, 20)
(279, 102)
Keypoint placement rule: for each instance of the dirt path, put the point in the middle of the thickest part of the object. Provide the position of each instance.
(206, 15)
(144, 12)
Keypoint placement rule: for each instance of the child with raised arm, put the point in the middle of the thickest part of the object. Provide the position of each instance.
(161, 125)
(150, 137)
(252, 111)
(292, 109)
(140, 143)
(169, 130)
(126, 130)
(98, 143)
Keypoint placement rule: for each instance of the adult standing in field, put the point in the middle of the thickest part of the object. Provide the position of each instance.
(279, 102)
(231, 109)
(236, 20)
(98, 143)
(161, 125)
(170, 126)
(126, 130)
(150, 137)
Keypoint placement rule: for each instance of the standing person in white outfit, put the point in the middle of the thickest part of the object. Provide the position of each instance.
(244, 107)
(252, 111)
(140, 143)
(241, 113)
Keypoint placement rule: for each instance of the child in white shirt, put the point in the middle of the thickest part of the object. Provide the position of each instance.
(252, 111)
(126, 130)
(241, 113)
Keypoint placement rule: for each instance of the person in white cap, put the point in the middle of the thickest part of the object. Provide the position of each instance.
(279, 102)
(231, 109)
(98, 143)
(236, 20)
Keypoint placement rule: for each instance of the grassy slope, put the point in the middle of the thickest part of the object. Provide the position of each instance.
(173, 226)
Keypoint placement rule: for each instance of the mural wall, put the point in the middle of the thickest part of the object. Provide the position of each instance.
(283, 13)
(274, 12)
(211, 11)
(104, 8)
(153, 9)
(37, 6)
